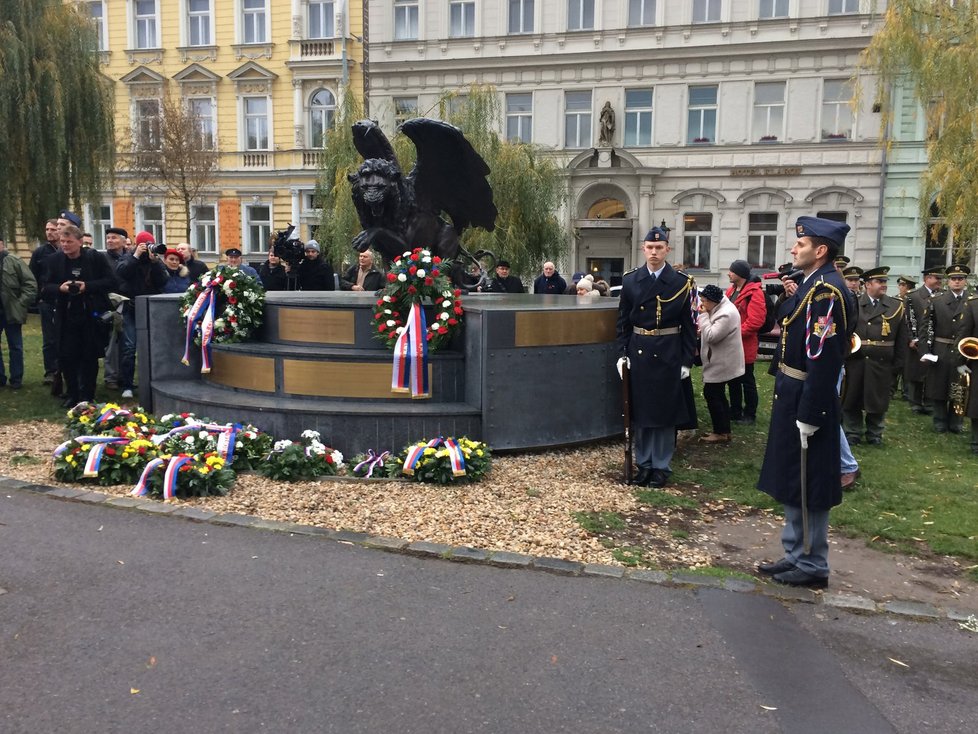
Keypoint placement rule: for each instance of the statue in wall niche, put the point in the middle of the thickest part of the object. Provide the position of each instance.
(606, 135)
(399, 213)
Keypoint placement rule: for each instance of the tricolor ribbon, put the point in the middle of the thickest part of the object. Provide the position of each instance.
(142, 486)
(201, 312)
(411, 356)
(373, 461)
(226, 436)
(170, 476)
(455, 456)
(826, 332)
(88, 439)
(111, 413)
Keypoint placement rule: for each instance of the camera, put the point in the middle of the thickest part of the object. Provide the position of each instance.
(159, 249)
(289, 247)
(73, 289)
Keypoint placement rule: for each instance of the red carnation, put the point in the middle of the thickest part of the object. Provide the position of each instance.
(412, 290)
(232, 300)
(429, 336)
(380, 302)
(436, 259)
(382, 327)
(442, 329)
(413, 269)
(391, 277)
(378, 316)
(458, 292)
(429, 281)
(414, 256)
(109, 451)
(435, 273)
(457, 310)
(329, 458)
(452, 322)
(396, 313)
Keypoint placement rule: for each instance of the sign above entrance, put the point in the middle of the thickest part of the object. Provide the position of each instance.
(774, 171)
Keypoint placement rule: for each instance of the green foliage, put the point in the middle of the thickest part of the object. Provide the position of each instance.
(434, 464)
(57, 136)
(299, 461)
(932, 47)
(599, 522)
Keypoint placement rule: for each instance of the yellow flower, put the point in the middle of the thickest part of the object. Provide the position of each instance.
(84, 419)
(203, 470)
(478, 452)
(429, 451)
(441, 453)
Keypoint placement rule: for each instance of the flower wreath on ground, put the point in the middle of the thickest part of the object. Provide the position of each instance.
(301, 460)
(418, 277)
(239, 301)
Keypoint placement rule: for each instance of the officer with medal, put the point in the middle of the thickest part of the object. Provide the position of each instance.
(914, 372)
(939, 349)
(967, 348)
(657, 341)
(801, 462)
(872, 369)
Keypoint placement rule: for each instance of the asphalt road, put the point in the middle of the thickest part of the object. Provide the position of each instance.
(118, 621)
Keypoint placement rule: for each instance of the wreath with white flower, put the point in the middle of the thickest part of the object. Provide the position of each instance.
(239, 307)
(418, 277)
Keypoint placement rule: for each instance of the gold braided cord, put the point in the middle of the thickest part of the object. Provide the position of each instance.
(659, 300)
(895, 314)
(804, 303)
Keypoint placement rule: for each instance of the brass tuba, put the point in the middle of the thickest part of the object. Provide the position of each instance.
(961, 384)
(968, 347)
(855, 343)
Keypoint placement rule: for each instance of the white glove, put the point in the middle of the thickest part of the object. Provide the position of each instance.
(964, 370)
(929, 358)
(804, 431)
(623, 361)
(683, 373)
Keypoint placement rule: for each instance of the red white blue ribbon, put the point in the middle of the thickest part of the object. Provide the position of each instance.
(170, 476)
(88, 439)
(201, 312)
(826, 332)
(411, 356)
(455, 456)
(373, 461)
(142, 486)
(226, 436)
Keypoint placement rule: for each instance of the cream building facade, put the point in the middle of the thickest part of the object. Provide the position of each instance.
(731, 119)
(265, 78)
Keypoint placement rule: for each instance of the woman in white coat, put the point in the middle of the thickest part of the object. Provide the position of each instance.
(722, 354)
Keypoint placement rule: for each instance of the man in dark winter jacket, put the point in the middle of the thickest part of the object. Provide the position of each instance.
(141, 273)
(549, 281)
(315, 274)
(50, 246)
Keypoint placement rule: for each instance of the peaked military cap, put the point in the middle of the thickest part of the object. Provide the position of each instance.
(959, 271)
(828, 229)
(907, 280)
(938, 271)
(841, 261)
(881, 273)
(853, 271)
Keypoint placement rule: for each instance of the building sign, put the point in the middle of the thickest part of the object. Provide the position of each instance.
(774, 171)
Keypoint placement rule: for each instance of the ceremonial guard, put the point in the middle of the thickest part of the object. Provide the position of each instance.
(939, 350)
(918, 302)
(657, 342)
(872, 368)
(968, 354)
(801, 463)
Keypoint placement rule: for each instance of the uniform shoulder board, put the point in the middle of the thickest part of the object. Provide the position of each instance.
(628, 272)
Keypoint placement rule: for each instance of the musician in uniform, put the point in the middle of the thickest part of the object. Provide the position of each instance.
(804, 434)
(914, 371)
(968, 331)
(853, 275)
(872, 369)
(939, 349)
(905, 284)
(657, 340)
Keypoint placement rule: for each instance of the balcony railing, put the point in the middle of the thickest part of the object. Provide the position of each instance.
(316, 49)
(312, 158)
(254, 160)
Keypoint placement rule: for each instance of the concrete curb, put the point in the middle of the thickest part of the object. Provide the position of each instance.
(856, 603)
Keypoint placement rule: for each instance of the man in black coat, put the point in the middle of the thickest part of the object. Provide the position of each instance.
(940, 347)
(657, 340)
(51, 246)
(363, 276)
(914, 372)
(503, 282)
(78, 283)
(816, 324)
(314, 273)
(549, 281)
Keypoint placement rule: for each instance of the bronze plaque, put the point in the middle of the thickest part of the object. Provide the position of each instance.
(340, 379)
(239, 370)
(559, 328)
(315, 326)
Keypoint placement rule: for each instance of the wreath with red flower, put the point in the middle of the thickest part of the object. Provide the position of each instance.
(239, 308)
(418, 277)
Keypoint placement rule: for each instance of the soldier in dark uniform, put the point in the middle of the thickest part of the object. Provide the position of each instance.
(871, 371)
(657, 339)
(815, 329)
(968, 329)
(939, 349)
(853, 275)
(906, 285)
(914, 371)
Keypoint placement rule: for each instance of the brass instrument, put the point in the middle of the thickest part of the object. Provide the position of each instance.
(855, 344)
(960, 389)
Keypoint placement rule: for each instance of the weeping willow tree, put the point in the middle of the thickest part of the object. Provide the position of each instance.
(527, 186)
(931, 47)
(56, 125)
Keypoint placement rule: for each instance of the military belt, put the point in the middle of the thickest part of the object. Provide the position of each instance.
(872, 343)
(656, 332)
(793, 373)
(944, 340)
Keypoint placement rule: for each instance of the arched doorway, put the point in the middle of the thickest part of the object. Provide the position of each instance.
(604, 228)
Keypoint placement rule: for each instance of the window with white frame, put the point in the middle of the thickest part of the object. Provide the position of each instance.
(96, 11)
(577, 119)
(521, 16)
(254, 21)
(461, 19)
(836, 110)
(841, 7)
(453, 107)
(101, 218)
(768, 111)
(199, 23)
(201, 110)
(146, 24)
(146, 124)
(258, 227)
(322, 111)
(697, 239)
(519, 117)
(203, 233)
(641, 13)
(762, 239)
(255, 122)
(638, 117)
(405, 20)
(321, 19)
(405, 108)
(702, 115)
(580, 15)
(706, 11)
(772, 9)
(149, 218)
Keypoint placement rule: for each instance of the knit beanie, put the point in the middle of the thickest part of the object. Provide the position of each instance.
(740, 268)
(586, 283)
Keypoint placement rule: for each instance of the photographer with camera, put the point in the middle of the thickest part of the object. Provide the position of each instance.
(141, 273)
(78, 282)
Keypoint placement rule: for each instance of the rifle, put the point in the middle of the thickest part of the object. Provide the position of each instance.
(627, 417)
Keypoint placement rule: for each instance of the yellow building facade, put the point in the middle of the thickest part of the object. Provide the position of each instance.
(265, 79)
